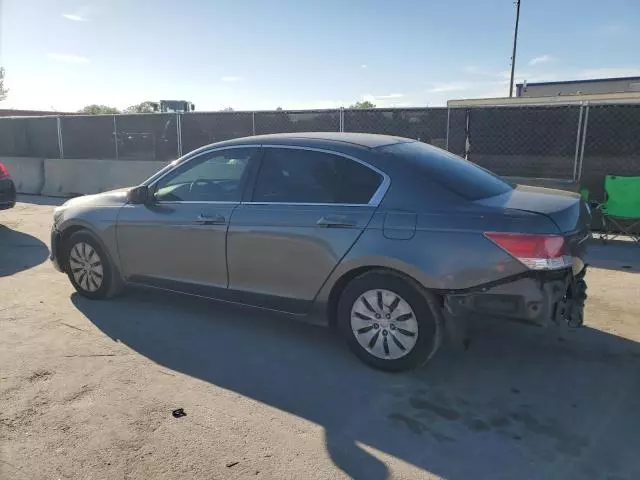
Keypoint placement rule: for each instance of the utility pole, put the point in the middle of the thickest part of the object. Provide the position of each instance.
(515, 43)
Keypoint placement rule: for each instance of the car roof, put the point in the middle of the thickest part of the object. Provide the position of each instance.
(366, 140)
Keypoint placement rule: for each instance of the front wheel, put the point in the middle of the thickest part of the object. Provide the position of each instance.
(389, 321)
(88, 267)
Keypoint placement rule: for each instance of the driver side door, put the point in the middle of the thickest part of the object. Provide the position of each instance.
(178, 241)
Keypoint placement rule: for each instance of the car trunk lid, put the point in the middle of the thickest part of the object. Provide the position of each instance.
(567, 210)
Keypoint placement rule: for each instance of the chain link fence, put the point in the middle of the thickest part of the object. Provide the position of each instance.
(29, 137)
(282, 121)
(575, 142)
(538, 142)
(611, 145)
(428, 125)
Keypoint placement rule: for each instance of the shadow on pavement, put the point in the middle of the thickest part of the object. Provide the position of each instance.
(614, 255)
(19, 251)
(40, 200)
(516, 405)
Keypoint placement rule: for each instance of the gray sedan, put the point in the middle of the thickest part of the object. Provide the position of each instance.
(389, 239)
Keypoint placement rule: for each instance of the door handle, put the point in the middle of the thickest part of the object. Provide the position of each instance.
(335, 221)
(206, 219)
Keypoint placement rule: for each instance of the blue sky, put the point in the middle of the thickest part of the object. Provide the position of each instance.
(254, 54)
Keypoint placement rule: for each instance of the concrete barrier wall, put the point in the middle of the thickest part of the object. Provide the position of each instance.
(69, 177)
(27, 173)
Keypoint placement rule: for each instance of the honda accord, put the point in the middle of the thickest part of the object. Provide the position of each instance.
(393, 241)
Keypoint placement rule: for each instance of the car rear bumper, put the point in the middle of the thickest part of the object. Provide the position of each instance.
(554, 298)
(7, 193)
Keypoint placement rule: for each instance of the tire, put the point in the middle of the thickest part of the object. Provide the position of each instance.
(407, 338)
(89, 268)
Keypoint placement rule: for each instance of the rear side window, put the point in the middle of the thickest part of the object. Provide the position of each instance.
(452, 172)
(307, 176)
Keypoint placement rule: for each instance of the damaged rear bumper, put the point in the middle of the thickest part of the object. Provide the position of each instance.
(554, 298)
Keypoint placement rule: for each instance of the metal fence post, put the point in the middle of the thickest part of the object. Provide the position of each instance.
(253, 122)
(584, 137)
(60, 143)
(179, 133)
(341, 121)
(115, 137)
(467, 134)
(447, 134)
(579, 131)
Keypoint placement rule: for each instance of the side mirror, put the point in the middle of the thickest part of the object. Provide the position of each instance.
(139, 195)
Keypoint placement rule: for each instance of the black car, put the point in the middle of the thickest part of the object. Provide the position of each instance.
(7, 189)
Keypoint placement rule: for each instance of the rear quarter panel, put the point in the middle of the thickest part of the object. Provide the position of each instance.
(446, 251)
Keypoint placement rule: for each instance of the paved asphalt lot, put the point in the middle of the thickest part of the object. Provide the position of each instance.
(87, 388)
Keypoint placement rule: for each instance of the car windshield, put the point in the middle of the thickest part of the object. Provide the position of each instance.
(456, 174)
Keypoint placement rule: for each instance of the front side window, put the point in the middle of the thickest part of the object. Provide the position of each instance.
(307, 176)
(214, 177)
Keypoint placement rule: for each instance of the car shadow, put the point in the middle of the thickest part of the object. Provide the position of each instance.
(19, 251)
(515, 405)
(614, 255)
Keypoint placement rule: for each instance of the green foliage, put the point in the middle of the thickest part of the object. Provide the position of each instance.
(144, 107)
(3, 91)
(99, 110)
(364, 104)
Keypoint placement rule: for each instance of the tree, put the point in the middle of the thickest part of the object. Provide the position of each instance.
(99, 110)
(364, 104)
(228, 109)
(144, 107)
(3, 91)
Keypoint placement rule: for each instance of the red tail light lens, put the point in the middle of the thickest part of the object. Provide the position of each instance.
(538, 252)
(4, 173)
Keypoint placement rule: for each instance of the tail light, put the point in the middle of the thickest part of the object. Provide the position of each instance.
(537, 252)
(4, 173)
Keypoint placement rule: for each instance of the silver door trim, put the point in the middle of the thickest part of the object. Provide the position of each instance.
(311, 204)
(206, 202)
(375, 199)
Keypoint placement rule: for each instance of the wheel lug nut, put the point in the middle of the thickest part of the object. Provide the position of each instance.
(393, 327)
(377, 315)
(376, 326)
(387, 316)
(384, 332)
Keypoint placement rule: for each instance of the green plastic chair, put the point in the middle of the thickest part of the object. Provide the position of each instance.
(621, 203)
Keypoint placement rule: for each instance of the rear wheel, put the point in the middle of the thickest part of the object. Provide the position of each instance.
(88, 267)
(389, 321)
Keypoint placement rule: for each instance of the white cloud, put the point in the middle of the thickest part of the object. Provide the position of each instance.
(448, 87)
(230, 78)
(82, 14)
(541, 59)
(364, 65)
(68, 57)
(475, 70)
(391, 95)
(74, 16)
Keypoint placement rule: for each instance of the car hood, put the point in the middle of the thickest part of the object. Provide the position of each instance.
(567, 209)
(104, 199)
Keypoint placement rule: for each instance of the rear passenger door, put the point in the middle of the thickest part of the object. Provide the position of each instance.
(307, 209)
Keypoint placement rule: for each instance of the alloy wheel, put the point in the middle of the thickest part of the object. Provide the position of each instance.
(86, 267)
(384, 324)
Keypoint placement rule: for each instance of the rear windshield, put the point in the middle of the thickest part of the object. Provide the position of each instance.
(462, 177)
